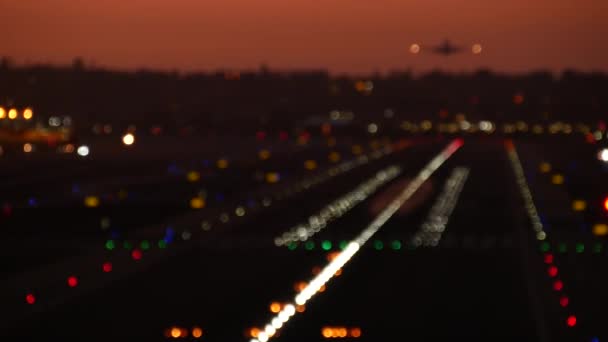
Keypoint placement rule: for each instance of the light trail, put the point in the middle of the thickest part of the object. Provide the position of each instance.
(328, 272)
(338, 207)
(432, 229)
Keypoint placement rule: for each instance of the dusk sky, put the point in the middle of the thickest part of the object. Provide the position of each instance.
(355, 36)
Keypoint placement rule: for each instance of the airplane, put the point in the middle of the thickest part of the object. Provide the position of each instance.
(446, 48)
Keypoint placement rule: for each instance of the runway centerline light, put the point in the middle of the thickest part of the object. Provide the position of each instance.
(83, 150)
(128, 139)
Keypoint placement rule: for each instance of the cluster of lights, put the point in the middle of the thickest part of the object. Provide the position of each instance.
(338, 207)
(340, 332)
(180, 332)
(137, 254)
(309, 183)
(13, 113)
(552, 270)
(520, 178)
(432, 229)
(342, 258)
(460, 124)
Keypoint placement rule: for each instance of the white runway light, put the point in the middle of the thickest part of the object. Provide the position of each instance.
(337, 208)
(433, 227)
(355, 245)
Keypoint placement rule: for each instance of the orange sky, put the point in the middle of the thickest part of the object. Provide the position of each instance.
(357, 36)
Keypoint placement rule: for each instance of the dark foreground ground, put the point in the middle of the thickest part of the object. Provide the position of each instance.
(173, 268)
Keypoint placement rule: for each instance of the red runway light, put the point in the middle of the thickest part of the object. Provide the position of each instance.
(136, 254)
(548, 258)
(564, 301)
(558, 285)
(72, 281)
(107, 267)
(552, 271)
(571, 321)
(30, 298)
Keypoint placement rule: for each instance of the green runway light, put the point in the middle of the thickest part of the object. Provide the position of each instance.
(597, 248)
(110, 245)
(145, 245)
(326, 245)
(127, 245)
(562, 247)
(378, 245)
(545, 247)
(292, 246)
(580, 248)
(162, 244)
(309, 245)
(343, 245)
(396, 245)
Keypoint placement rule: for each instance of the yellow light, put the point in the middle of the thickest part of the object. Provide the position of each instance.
(12, 114)
(91, 201)
(322, 288)
(334, 157)
(600, 229)
(300, 308)
(254, 332)
(27, 147)
(327, 332)
(222, 164)
(176, 332)
(264, 154)
(275, 307)
(579, 205)
(272, 177)
(193, 176)
(197, 203)
(557, 179)
(342, 332)
(28, 113)
(197, 332)
(128, 139)
(310, 165)
(2, 113)
(544, 167)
